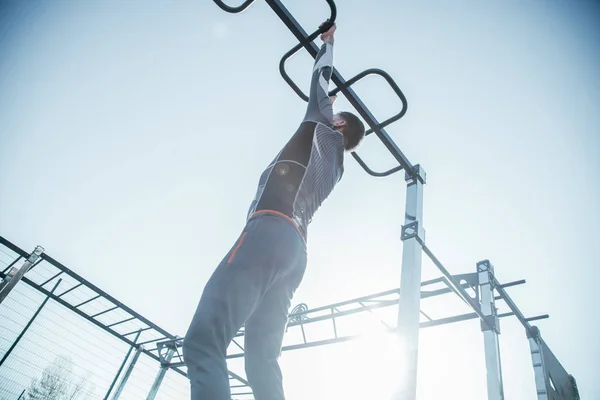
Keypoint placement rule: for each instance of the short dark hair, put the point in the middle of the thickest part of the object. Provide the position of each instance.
(354, 131)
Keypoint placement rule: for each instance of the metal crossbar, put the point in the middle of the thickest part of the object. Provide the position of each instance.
(329, 318)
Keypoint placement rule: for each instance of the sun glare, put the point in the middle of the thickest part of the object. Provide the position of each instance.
(372, 365)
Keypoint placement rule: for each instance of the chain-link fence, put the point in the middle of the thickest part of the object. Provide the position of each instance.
(61, 337)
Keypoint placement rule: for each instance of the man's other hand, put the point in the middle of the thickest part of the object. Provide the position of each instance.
(327, 37)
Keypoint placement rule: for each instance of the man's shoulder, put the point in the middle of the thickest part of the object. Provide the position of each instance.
(328, 130)
(322, 132)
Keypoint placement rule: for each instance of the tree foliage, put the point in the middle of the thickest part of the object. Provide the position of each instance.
(57, 382)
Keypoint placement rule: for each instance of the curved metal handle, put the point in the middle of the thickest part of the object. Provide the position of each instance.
(303, 43)
(284, 74)
(390, 81)
(371, 71)
(373, 173)
(233, 10)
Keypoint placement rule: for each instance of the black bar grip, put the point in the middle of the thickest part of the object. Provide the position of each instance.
(233, 10)
(390, 81)
(373, 173)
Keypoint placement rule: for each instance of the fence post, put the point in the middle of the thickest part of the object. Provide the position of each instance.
(128, 372)
(11, 281)
(161, 374)
(110, 388)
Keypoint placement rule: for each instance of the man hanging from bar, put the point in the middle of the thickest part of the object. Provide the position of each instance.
(254, 283)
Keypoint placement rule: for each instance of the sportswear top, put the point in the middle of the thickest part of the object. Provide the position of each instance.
(308, 167)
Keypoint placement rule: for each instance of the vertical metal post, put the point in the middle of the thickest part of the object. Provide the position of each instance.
(539, 367)
(10, 282)
(413, 236)
(130, 368)
(491, 329)
(12, 347)
(161, 374)
(10, 266)
(110, 388)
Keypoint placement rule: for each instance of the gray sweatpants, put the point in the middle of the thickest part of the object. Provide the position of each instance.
(253, 285)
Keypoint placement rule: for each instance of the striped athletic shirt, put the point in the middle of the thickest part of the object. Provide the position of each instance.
(311, 163)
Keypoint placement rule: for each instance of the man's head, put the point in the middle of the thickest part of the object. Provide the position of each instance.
(351, 127)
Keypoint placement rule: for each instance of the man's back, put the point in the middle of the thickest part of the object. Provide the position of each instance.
(302, 175)
(309, 166)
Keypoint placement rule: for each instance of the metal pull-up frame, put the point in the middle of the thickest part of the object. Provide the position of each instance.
(66, 288)
(413, 238)
(342, 85)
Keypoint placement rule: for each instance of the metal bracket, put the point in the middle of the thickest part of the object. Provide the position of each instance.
(489, 322)
(410, 230)
(172, 344)
(417, 173)
(484, 265)
(470, 278)
(472, 281)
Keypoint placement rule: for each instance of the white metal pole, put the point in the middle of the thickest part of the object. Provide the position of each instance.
(11, 281)
(539, 367)
(491, 330)
(413, 235)
(161, 374)
(128, 372)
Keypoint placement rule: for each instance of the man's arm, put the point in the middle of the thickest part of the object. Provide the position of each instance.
(319, 107)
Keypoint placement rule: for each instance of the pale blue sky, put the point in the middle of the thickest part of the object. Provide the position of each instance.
(132, 135)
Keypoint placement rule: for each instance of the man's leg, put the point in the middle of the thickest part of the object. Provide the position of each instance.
(263, 335)
(230, 296)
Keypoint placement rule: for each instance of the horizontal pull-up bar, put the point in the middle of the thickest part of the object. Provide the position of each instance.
(341, 339)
